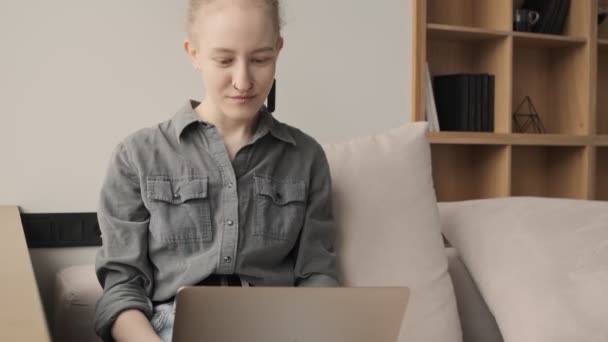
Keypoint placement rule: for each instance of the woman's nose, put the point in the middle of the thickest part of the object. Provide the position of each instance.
(242, 80)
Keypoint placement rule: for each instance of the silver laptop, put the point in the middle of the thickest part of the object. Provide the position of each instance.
(289, 314)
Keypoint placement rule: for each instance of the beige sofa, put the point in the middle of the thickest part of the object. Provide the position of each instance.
(388, 235)
(520, 269)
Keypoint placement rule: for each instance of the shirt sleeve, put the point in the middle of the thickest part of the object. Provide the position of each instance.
(121, 264)
(315, 264)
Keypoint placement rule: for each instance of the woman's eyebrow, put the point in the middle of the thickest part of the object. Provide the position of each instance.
(264, 49)
(225, 50)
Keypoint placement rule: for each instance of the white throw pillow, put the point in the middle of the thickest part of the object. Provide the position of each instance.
(388, 227)
(541, 264)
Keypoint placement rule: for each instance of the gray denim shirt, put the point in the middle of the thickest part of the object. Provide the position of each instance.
(174, 209)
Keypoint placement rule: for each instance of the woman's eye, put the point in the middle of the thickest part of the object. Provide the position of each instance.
(224, 61)
(260, 60)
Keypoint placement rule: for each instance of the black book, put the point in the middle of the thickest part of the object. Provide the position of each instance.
(491, 103)
(479, 102)
(452, 101)
(484, 102)
(550, 17)
(560, 18)
(473, 89)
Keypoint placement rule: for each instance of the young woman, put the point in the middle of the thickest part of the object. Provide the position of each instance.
(221, 193)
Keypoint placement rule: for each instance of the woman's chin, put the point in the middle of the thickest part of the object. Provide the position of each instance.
(242, 111)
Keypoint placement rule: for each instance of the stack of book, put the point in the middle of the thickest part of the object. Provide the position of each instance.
(553, 14)
(463, 102)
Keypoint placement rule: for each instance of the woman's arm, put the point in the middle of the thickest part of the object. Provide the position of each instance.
(315, 257)
(122, 264)
(132, 325)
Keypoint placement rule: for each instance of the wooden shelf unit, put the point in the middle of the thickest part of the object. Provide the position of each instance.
(564, 76)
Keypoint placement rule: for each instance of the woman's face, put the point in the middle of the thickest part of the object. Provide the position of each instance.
(236, 50)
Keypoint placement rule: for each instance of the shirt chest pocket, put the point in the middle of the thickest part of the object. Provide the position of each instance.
(279, 208)
(180, 209)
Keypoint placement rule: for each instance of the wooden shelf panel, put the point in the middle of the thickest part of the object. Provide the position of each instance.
(549, 139)
(602, 44)
(546, 40)
(478, 138)
(601, 170)
(467, 138)
(462, 172)
(549, 171)
(600, 140)
(451, 32)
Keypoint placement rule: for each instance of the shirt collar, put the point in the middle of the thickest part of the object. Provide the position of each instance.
(186, 116)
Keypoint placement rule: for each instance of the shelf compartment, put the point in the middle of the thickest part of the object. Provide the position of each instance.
(490, 56)
(463, 172)
(479, 138)
(601, 170)
(472, 13)
(558, 82)
(549, 171)
(602, 90)
(602, 44)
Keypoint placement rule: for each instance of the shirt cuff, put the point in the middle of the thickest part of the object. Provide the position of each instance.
(318, 280)
(115, 301)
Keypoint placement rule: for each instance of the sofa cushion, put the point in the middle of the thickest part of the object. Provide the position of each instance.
(388, 226)
(541, 264)
(478, 323)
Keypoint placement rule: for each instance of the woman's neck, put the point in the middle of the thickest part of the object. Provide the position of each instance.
(236, 133)
(228, 128)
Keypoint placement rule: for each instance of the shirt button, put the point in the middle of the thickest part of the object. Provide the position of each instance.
(176, 195)
(227, 259)
(230, 222)
(230, 185)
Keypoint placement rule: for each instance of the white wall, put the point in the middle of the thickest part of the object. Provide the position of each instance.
(77, 76)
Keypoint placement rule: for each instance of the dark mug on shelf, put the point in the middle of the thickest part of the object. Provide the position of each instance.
(525, 20)
(602, 12)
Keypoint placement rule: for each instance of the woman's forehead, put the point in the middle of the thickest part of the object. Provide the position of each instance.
(234, 25)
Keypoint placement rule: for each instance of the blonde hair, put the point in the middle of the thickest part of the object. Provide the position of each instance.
(194, 7)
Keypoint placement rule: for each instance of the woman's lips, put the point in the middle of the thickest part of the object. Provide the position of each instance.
(242, 99)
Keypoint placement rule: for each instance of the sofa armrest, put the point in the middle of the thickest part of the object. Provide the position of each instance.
(76, 293)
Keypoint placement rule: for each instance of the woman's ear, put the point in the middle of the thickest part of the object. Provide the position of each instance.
(192, 53)
(280, 43)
